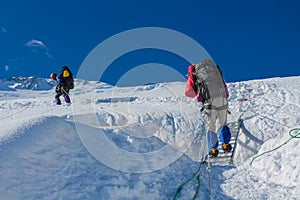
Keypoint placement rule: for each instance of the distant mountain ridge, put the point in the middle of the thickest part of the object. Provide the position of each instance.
(26, 83)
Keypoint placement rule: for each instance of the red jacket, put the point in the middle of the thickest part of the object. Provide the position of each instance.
(190, 84)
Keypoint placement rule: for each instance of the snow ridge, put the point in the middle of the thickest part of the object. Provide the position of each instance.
(26, 83)
(44, 155)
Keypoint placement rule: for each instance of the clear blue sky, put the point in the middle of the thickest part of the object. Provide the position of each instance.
(248, 39)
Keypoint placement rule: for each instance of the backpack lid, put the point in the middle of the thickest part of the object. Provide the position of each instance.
(210, 80)
(66, 73)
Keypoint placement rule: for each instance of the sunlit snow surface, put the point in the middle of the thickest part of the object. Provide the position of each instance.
(54, 152)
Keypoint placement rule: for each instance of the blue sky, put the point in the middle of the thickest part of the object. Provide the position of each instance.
(248, 39)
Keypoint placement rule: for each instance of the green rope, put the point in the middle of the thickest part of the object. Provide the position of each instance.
(196, 174)
(293, 136)
(198, 188)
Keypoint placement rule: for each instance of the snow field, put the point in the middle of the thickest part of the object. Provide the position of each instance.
(43, 156)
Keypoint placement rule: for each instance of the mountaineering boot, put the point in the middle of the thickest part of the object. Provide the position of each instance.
(67, 99)
(226, 147)
(57, 100)
(213, 152)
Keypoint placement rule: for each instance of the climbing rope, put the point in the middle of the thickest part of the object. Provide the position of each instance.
(209, 180)
(198, 188)
(292, 136)
(196, 174)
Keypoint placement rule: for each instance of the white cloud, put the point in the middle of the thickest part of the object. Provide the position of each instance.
(37, 44)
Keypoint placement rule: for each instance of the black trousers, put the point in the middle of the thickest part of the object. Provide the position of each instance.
(61, 90)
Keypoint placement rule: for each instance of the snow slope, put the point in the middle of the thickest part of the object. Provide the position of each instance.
(143, 142)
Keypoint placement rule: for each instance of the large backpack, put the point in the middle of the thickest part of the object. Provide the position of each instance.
(209, 81)
(67, 77)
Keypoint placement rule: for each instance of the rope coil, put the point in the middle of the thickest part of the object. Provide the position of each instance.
(292, 136)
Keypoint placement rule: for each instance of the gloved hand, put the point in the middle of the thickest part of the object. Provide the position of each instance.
(58, 88)
(199, 98)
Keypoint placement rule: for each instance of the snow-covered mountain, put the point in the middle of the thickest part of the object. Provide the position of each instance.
(143, 142)
(29, 83)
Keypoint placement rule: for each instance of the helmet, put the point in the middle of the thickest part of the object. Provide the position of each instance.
(53, 76)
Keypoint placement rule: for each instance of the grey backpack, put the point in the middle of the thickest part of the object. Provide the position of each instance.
(209, 81)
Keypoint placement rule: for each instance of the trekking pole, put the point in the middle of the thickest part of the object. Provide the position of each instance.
(65, 91)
